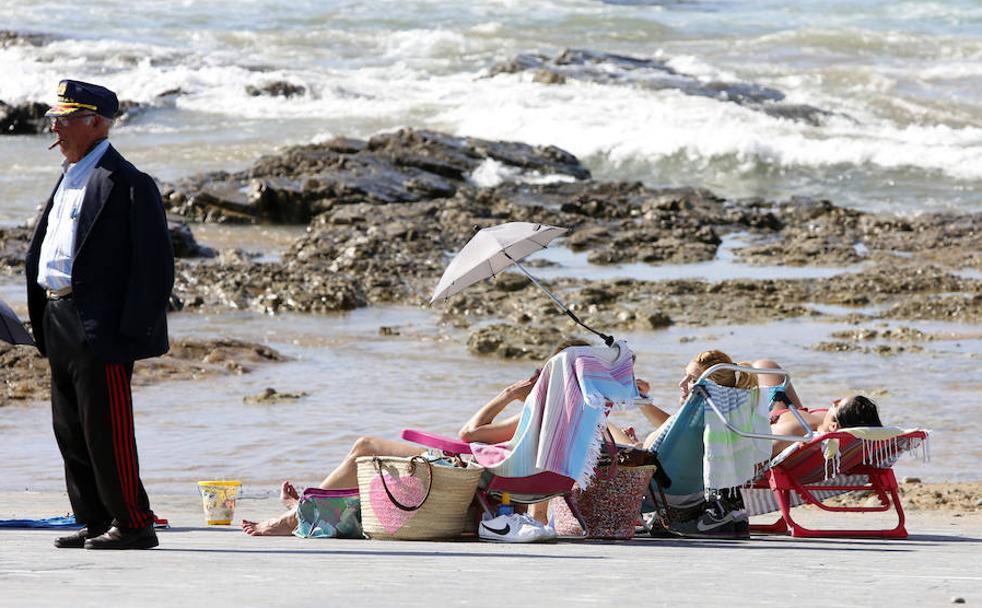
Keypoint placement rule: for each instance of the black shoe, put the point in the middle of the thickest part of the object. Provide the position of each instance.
(655, 529)
(715, 522)
(124, 538)
(77, 540)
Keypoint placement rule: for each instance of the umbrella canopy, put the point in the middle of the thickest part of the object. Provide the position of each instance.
(11, 329)
(492, 250)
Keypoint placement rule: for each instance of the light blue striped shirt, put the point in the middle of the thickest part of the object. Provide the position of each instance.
(58, 247)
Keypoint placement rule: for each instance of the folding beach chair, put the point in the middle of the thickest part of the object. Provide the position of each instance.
(829, 465)
(735, 423)
(560, 433)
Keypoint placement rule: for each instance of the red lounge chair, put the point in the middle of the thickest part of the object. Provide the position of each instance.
(802, 475)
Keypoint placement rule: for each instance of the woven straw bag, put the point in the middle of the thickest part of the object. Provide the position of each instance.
(415, 499)
(610, 505)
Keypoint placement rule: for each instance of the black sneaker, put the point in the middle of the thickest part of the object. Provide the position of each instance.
(715, 522)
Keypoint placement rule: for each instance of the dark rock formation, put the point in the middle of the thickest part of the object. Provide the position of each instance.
(655, 74)
(10, 38)
(812, 232)
(515, 341)
(185, 246)
(23, 119)
(401, 167)
(13, 249)
(277, 88)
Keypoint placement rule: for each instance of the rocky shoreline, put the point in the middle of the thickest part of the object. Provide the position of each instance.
(24, 374)
(384, 215)
(371, 245)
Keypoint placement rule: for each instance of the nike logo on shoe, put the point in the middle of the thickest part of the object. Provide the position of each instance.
(714, 523)
(502, 531)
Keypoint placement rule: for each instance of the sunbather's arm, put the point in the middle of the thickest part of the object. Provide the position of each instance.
(654, 414)
(492, 432)
(620, 436)
(482, 427)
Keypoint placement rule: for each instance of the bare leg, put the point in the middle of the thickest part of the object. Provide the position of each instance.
(346, 475)
(540, 511)
(289, 495)
(776, 380)
(278, 526)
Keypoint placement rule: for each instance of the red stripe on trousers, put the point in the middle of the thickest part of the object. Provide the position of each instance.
(134, 474)
(127, 426)
(117, 407)
(114, 417)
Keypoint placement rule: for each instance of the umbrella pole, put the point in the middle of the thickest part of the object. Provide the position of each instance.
(608, 340)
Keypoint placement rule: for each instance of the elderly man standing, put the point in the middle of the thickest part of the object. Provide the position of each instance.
(100, 269)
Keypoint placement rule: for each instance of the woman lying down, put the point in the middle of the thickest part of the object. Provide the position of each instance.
(483, 427)
(847, 412)
(724, 516)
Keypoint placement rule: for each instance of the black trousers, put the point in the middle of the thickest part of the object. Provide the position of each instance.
(92, 412)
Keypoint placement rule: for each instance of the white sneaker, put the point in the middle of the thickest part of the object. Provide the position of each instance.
(550, 530)
(546, 532)
(514, 528)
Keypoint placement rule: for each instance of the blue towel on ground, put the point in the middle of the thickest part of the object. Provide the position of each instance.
(59, 521)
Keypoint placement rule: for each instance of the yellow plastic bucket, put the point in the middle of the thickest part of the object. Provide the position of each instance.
(218, 500)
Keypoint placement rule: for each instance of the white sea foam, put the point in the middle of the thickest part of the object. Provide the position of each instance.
(491, 173)
(617, 122)
(624, 124)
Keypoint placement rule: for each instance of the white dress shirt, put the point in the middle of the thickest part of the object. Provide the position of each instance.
(58, 247)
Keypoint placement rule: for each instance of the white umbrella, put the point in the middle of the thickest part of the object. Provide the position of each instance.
(494, 249)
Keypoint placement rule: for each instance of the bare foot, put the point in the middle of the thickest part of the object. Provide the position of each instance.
(289, 495)
(278, 526)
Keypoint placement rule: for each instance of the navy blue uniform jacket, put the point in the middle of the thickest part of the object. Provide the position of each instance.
(123, 270)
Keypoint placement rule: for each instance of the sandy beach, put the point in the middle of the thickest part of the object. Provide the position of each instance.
(220, 566)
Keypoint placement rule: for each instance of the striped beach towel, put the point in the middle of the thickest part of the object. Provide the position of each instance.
(731, 460)
(834, 463)
(562, 423)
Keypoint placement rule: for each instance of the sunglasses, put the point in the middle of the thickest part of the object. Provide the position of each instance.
(61, 121)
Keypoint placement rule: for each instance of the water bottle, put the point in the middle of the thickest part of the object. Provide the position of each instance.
(505, 507)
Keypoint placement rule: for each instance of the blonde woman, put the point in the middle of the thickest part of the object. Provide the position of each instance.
(695, 368)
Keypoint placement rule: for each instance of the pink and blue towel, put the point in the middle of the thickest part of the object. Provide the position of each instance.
(561, 428)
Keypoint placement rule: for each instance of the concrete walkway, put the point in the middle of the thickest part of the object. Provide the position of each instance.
(198, 565)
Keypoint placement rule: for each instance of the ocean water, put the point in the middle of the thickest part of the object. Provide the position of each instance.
(901, 79)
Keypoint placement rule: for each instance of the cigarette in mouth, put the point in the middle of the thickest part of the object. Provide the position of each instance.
(54, 144)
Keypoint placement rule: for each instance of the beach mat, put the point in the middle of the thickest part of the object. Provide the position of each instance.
(59, 521)
(65, 522)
